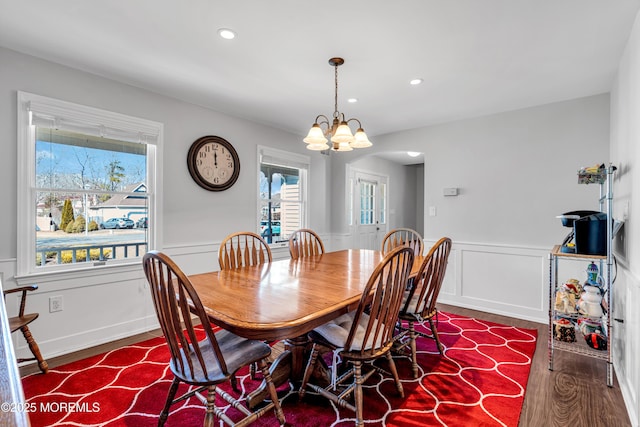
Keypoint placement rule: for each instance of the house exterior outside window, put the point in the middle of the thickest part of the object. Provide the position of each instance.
(282, 193)
(88, 186)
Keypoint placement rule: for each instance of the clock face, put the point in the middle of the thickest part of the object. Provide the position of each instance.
(213, 163)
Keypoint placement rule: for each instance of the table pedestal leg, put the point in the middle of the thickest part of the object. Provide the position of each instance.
(290, 365)
(280, 371)
(298, 348)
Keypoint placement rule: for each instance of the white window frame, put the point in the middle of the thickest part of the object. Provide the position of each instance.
(291, 160)
(87, 120)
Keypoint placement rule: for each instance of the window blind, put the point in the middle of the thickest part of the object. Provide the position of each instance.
(89, 121)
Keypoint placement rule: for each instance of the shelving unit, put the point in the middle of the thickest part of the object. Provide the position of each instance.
(605, 180)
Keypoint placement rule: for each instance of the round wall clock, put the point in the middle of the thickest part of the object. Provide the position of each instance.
(213, 163)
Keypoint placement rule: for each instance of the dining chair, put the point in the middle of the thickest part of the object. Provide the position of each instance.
(419, 302)
(305, 242)
(362, 335)
(202, 362)
(21, 322)
(402, 237)
(243, 249)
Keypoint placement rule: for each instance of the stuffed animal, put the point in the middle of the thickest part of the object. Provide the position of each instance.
(573, 286)
(565, 302)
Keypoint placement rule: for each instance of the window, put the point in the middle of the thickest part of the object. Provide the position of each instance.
(367, 202)
(87, 186)
(382, 211)
(282, 189)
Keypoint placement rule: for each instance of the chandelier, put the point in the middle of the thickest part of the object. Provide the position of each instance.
(337, 130)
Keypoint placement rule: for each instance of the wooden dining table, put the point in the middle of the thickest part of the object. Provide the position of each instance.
(285, 299)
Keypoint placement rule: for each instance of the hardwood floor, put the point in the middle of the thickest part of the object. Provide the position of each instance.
(574, 394)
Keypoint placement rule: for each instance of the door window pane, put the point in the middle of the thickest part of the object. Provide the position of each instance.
(367, 202)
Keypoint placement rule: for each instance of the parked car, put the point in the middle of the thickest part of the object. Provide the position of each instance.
(142, 223)
(264, 228)
(118, 223)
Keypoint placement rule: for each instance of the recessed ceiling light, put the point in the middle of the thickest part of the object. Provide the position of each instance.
(415, 82)
(352, 100)
(226, 33)
(413, 153)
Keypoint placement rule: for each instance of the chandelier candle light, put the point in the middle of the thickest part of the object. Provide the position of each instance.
(338, 130)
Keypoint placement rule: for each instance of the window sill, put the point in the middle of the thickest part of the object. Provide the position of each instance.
(94, 270)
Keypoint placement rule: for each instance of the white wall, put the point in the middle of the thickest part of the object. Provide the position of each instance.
(625, 137)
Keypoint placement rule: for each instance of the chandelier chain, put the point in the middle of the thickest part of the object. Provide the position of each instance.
(335, 106)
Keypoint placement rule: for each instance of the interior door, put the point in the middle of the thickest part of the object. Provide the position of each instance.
(370, 210)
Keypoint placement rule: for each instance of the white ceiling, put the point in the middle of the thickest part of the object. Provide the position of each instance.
(476, 57)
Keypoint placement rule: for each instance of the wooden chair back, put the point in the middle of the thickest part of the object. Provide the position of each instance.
(403, 237)
(305, 242)
(172, 295)
(423, 295)
(380, 302)
(243, 249)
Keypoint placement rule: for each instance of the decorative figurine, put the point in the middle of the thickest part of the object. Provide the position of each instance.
(593, 275)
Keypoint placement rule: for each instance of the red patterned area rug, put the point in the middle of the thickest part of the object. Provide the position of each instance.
(480, 381)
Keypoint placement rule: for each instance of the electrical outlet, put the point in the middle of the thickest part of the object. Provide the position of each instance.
(55, 304)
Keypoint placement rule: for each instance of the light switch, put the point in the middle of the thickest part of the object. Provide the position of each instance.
(432, 211)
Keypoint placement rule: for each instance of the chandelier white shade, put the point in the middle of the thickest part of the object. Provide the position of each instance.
(337, 130)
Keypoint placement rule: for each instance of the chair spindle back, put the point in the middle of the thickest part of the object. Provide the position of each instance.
(380, 301)
(172, 292)
(305, 242)
(429, 279)
(243, 249)
(403, 237)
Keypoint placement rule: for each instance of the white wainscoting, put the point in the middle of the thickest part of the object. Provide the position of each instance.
(626, 327)
(97, 308)
(501, 279)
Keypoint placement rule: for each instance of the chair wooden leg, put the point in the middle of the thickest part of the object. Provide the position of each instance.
(357, 392)
(414, 350)
(273, 394)
(313, 358)
(234, 384)
(209, 416)
(434, 332)
(394, 372)
(172, 393)
(33, 346)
